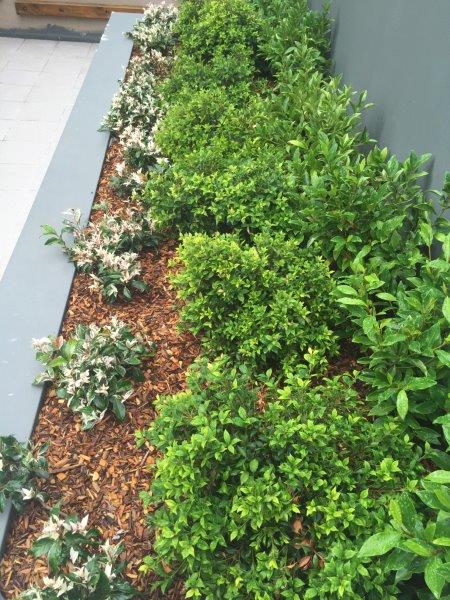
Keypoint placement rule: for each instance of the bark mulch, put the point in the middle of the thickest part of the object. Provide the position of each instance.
(100, 472)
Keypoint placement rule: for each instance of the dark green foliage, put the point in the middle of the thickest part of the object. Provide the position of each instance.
(256, 487)
(268, 304)
(286, 26)
(21, 468)
(406, 333)
(415, 545)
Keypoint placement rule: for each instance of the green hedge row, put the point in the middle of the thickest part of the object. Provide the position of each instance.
(298, 237)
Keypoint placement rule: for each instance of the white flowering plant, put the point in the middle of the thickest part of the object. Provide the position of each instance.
(137, 107)
(107, 249)
(80, 566)
(133, 117)
(94, 370)
(21, 468)
(155, 30)
(137, 104)
(141, 154)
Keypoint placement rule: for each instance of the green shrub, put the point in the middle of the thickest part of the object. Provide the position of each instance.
(234, 70)
(291, 163)
(286, 26)
(247, 192)
(259, 487)
(406, 335)
(268, 304)
(204, 28)
(418, 540)
(208, 115)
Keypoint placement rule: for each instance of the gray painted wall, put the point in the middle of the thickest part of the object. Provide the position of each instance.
(399, 51)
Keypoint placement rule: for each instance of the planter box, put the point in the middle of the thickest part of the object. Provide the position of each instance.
(37, 281)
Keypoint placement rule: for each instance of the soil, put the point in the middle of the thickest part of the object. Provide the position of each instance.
(101, 472)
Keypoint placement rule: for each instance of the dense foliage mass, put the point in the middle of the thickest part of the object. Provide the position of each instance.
(267, 480)
(267, 304)
(299, 236)
(280, 475)
(106, 249)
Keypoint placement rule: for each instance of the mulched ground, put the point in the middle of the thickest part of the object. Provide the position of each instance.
(100, 472)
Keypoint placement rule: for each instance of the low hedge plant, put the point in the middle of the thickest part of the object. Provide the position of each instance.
(107, 249)
(269, 304)
(81, 567)
(260, 488)
(210, 26)
(405, 335)
(416, 547)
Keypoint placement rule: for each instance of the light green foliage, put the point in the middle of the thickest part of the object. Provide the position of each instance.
(211, 26)
(287, 26)
(21, 468)
(81, 567)
(94, 369)
(266, 493)
(247, 192)
(208, 114)
(268, 305)
(258, 487)
(137, 107)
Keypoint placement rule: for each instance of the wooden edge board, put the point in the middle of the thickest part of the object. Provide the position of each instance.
(41, 8)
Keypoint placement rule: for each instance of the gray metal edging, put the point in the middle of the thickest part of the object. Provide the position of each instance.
(52, 32)
(37, 281)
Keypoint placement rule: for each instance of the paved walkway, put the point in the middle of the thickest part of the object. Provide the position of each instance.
(39, 82)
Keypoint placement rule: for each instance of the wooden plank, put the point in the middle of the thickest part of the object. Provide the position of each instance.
(41, 8)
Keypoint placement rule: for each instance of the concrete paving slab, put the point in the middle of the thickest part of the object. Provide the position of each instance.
(39, 83)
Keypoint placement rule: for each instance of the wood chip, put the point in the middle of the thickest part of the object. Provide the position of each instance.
(108, 469)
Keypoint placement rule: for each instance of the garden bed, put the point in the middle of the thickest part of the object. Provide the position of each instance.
(303, 450)
(101, 472)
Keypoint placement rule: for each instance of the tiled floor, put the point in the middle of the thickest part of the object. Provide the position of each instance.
(39, 82)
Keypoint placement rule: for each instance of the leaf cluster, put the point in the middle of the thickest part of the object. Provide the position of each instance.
(81, 568)
(418, 539)
(94, 370)
(21, 468)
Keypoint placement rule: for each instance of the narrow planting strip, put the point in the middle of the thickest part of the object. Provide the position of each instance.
(37, 281)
